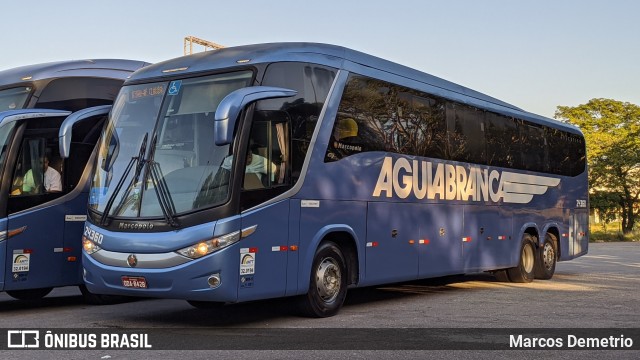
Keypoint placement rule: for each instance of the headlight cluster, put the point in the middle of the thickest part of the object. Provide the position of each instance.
(89, 246)
(207, 247)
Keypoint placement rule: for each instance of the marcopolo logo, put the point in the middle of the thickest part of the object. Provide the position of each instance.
(424, 179)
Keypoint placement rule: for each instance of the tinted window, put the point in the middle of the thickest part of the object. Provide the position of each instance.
(378, 116)
(533, 150)
(312, 82)
(466, 133)
(75, 93)
(501, 136)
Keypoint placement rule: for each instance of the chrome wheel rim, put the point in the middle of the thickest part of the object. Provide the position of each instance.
(548, 256)
(527, 258)
(328, 279)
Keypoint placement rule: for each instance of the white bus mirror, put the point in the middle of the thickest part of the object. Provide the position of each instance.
(231, 106)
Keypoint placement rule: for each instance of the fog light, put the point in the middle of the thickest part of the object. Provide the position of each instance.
(214, 281)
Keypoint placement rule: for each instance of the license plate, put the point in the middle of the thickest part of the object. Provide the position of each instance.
(137, 282)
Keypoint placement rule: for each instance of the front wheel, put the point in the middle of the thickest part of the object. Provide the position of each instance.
(328, 285)
(547, 258)
(524, 271)
(31, 294)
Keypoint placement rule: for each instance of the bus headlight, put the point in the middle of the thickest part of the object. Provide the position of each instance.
(89, 246)
(203, 248)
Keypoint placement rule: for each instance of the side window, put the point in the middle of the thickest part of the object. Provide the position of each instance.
(75, 93)
(466, 133)
(312, 82)
(566, 152)
(267, 162)
(268, 158)
(282, 129)
(533, 147)
(377, 116)
(502, 141)
(38, 169)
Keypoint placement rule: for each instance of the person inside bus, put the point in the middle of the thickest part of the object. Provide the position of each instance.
(344, 140)
(255, 164)
(52, 179)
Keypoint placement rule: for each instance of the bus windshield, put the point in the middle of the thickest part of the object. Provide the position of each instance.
(14, 98)
(157, 156)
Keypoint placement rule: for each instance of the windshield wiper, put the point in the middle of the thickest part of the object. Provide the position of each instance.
(162, 192)
(139, 165)
(160, 186)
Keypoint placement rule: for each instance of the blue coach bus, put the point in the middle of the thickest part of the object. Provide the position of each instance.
(51, 116)
(302, 169)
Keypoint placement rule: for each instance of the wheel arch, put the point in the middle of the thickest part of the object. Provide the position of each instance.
(346, 239)
(553, 229)
(530, 229)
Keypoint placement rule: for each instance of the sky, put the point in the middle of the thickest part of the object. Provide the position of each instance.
(536, 55)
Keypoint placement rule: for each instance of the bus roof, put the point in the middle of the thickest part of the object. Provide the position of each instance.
(335, 56)
(107, 68)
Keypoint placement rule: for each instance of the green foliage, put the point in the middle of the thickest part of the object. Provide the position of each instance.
(612, 132)
(608, 205)
(597, 233)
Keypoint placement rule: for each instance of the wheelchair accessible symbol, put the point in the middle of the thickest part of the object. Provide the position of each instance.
(174, 87)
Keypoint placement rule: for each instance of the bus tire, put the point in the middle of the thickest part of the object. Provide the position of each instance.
(524, 271)
(328, 285)
(546, 258)
(30, 294)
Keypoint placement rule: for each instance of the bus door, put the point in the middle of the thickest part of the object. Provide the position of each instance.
(264, 252)
(579, 240)
(485, 238)
(393, 231)
(78, 136)
(35, 209)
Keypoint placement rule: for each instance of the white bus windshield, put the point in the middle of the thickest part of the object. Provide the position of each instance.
(159, 145)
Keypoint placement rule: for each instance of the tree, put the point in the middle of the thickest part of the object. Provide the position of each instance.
(612, 132)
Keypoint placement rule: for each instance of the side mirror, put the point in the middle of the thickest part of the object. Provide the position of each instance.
(66, 128)
(231, 106)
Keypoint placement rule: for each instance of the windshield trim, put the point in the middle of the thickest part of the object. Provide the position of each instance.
(168, 215)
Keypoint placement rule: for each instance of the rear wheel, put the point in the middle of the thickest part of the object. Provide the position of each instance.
(524, 272)
(328, 285)
(547, 258)
(31, 294)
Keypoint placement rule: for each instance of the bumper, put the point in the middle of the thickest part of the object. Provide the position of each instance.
(188, 281)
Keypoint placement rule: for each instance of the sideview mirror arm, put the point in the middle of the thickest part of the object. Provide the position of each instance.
(231, 106)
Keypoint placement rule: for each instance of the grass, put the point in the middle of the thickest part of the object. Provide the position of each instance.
(597, 233)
